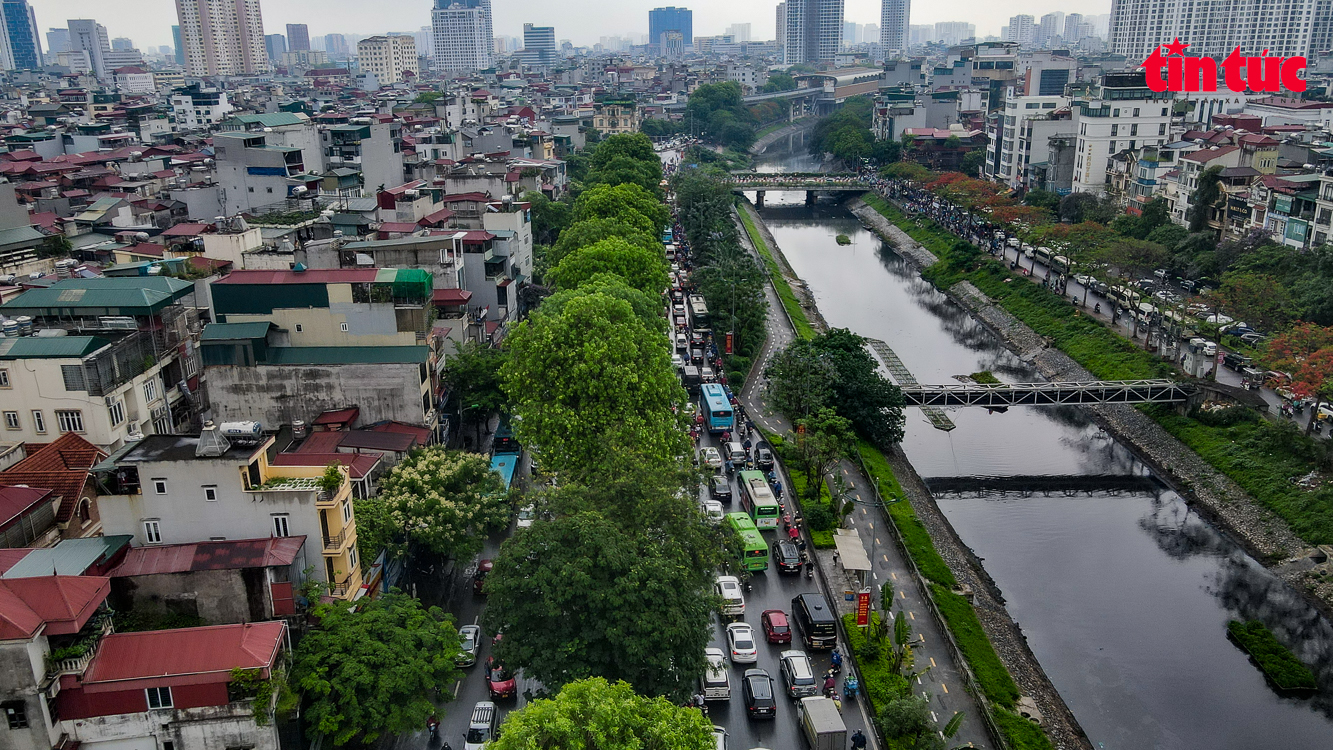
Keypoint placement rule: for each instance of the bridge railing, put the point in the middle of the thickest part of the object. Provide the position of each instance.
(1049, 394)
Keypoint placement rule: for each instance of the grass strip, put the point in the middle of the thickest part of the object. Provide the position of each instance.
(879, 682)
(780, 283)
(1281, 666)
(913, 532)
(1261, 457)
(1021, 733)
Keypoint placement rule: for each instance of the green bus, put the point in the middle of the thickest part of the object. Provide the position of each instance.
(754, 550)
(758, 500)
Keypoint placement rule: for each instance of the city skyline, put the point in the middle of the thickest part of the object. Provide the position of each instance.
(583, 24)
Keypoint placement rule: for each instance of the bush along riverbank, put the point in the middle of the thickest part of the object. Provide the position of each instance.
(1272, 516)
(1279, 665)
(781, 285)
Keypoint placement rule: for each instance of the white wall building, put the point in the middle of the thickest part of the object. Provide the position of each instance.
(461, 31)
(222, 37)
(1020, 141)
(1283, 27)
(388, 57)
(894, 22)
(1126, 115)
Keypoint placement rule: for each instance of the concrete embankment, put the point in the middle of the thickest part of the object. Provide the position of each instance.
(1217, 497)
(761, 145)
(1007, 638)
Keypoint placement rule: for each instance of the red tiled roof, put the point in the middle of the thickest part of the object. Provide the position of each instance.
(313, 276)
(60, 466)
(451, 296)
(187, 230)
(1208, 154)
(402, 428)
(338, 416)
(64, 603)
(439, 217)
(16, 502)
(221, 555)
(321, 442)
(208, 264)
(191, 656)
(380, 441)
(10, 557)
(358, 464)
(145, 248)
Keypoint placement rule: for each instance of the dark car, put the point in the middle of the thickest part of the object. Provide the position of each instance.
(763, 455)
(1235, 361)
(500, 680)
(758, 689)
(479, 578)
(786, 556)
(719, 488)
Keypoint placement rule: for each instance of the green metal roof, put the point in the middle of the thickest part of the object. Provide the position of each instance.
(71, 557)
(268, 120)
(51, 347)
(234, 331)
(20, 236)
(119, 295)
(347, 355)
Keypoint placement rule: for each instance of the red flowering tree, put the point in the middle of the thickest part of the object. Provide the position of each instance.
(1306, 353)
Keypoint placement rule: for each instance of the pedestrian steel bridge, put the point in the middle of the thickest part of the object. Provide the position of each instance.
(1027, 486)
(1058, 393)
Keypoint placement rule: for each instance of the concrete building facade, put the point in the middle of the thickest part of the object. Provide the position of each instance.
(223, 37)
(388, 58)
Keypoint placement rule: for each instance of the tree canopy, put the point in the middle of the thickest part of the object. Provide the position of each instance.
(595, 389)
(647, 306)
(594, 714)
(472, 373)
(372, 669)
(591, 231)
(628, 203)
(446, 501)
(834, 370)
(642, 269)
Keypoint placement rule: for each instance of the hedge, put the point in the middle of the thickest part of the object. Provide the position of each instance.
(878, 680)
(1281, 666)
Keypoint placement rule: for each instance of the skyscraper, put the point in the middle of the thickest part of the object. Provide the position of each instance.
(539, 45)
(1285, 28)
(122, 42)
(222, 37)
(1022, 29)
(298, 37)
(90, 36)
(954, 32)
(180, 45)
(814, 30)
(20, 43)
(740, 32)
(1052, 25)
(1070, 31)
(461, 30)
(275, 46)
(388, 57)
(782, 24)
(662, 20)
(57, 40)
(335, 44)
(894, 26)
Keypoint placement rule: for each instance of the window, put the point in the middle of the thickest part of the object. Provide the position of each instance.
(117, 412)
(160, 486)
(73, 376)
(152, 532)
(1115, 130)
(347, 511)
(1163, 111)
(69, 421)
(1161, 129)
(1136, 111)
(1115, 113)
(342, 327)
(211, 493)
(351, 559)
(280, 525)
(159, 697)
(250, 189)
(4, 379)
(17, 714)
(150, 391)
(85, 511)
(1134, 129)
(11, 420)
(38, 421)
(299, 328)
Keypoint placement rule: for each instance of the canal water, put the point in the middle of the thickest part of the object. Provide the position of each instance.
(1124, 596)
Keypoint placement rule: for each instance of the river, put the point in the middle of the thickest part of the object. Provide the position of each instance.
(1124, 596)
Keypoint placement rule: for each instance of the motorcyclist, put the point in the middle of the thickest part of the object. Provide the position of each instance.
(433, 725)
(837, 660)
(858, 740)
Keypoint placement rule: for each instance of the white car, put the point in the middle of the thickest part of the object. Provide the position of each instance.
(710, 457)
(744, 649)
(526, 516)
(713, 509)
(729, 589)
(720, 737)
(715, 684)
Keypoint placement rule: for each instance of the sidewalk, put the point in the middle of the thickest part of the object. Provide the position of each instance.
(940, 683)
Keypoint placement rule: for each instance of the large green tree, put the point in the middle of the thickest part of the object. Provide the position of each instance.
(822, 440)
(800, 379)
(446, 501)
(628, 203)
(647, 306)
(595, 389)
(594, 714)
(472, 373)
(582, 596)
(371, 669)
(549, 218)
(1206, 199)
(591, 231)
(642, 269)
(860, 392)
(634, 146)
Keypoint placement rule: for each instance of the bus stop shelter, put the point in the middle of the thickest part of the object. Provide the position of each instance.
(852, 557)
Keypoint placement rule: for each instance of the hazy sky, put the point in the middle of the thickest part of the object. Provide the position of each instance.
(149, 22)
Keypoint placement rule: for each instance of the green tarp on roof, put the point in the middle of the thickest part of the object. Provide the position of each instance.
(123, 295)
(347, 355)
(51, 347)
(234, 331)
(268, 120)
(408, 283)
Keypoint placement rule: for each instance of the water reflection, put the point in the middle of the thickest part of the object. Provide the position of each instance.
(1124, 597)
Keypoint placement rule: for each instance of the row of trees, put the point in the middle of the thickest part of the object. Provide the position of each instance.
(613, 580)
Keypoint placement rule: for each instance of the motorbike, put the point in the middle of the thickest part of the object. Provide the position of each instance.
(849, 686)
(433, 726)
(836, 662)
(810, 569)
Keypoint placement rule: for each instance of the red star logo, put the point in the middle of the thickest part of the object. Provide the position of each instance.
(1176, 48)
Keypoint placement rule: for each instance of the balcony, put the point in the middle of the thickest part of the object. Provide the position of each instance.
(335, 543)
(75, 657)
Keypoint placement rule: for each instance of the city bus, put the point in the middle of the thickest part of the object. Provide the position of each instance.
(754, 550)
(698, 311)
(758, 501)
(716, 408)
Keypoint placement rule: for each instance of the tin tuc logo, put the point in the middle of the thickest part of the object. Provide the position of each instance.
(1263, 73)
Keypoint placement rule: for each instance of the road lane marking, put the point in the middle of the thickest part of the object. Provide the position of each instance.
(903, 594)
(946, 687)
(934, 718)
(911, 615)
(886, 559)
(876, 540)
(894, 576)
(932, 662)
(457, 685)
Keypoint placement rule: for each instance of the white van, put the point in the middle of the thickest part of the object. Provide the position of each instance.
(481, 729)
(715, 684)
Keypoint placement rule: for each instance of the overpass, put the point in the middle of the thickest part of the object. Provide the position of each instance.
(1059, 393)
(1025, 486)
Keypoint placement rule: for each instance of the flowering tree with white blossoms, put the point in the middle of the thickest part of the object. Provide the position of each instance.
(446, 501)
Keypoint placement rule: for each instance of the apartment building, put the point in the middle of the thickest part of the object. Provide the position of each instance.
(814, 31)
(1123, 114)
(197, 107)
(118, 370)
(388, 58)
(1285, 28)
(1018, 136)
(372, 146)
(461, 31)
(180, 489)
(223, 37)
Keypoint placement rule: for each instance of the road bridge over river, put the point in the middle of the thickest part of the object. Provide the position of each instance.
(812, 184)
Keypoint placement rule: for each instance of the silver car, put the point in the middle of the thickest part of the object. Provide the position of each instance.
(470, 640)
(798, 676)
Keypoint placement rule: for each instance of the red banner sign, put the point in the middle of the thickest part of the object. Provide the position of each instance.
(728, 342)
(863, 608)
